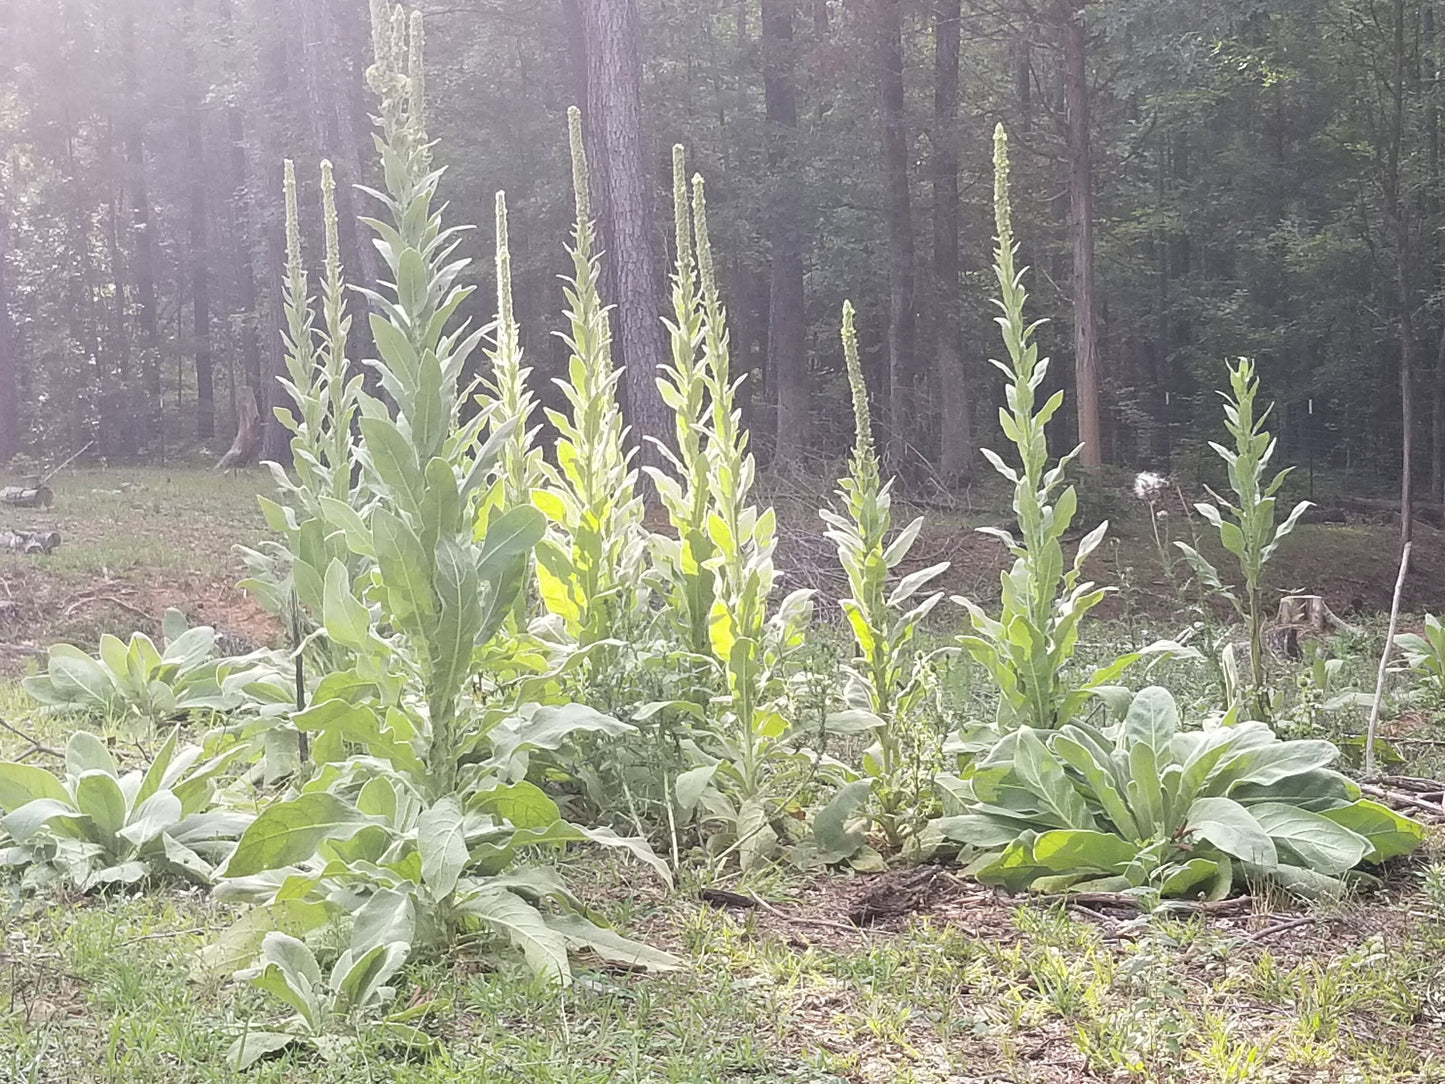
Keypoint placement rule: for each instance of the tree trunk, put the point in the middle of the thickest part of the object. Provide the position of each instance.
(143, 243)
(1397, 214)
(275, 76)
(787, 317)
(10, 437)
(1070, 16)
(241, 226)
(199, 255)
(956, 441)
(614, 88)
(901, 316)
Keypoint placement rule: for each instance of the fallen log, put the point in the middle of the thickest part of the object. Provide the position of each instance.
(43, 542)
(26, 497)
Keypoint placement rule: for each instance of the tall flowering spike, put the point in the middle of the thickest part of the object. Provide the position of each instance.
(702, 240)
(505, 320)
(398, 45)
(328, 206)
(416, 74)
(862, 420)
(580, 179)
(380, 40)
(1002, 213)
(293, 225)
(681, 213)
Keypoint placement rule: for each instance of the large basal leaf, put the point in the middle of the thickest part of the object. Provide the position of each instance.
(521, 804)
(254, 1046)
(85, 752)
(1041, 773)
(1228, 825)
(239, 943)
(610, 946)
(638, 847)
(152, 817)
(387, 917)
(288, 832)
(830, 826)
(756, 837)
(1266, 765)
(1153, 718)
(544, 948)
(358, 980)
(441, 841)
(23, 783)
(1320, 844)
(1390, 835)
(550, 725)
(1083, 851)
(24, 823)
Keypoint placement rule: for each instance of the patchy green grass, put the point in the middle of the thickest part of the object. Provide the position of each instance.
(978, 990)
(134, 541)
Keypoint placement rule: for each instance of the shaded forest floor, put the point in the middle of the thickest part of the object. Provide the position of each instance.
(908, 976)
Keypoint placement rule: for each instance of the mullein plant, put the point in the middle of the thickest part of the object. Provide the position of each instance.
(590, 565)
(885, 685)
(414, 819)
(1250, 532)
(1027, 650)
(721, 561)
(325, 391)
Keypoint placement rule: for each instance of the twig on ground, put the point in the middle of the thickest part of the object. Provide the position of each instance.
(1282, 927)
(124, 605)
(821, 922)
(1402, 799)
(1123, 901)
(36, 746)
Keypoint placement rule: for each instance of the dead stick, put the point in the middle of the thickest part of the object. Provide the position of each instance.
(1403, 799)
(801, 921)
(67, 463)
(1384, 662)
(112, 599)
(35, 746)
(1283, 927)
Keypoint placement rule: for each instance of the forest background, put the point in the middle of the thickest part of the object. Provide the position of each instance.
(1195, 180)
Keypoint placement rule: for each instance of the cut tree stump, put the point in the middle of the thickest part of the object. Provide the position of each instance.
(26, 497)
(29, 541)
(248, 433)
(1310, 612)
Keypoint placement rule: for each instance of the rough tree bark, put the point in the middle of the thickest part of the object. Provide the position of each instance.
(1069, 17)
(956, 441)
(620, 168)
(199, 254)
(901, 272)
(787, 320)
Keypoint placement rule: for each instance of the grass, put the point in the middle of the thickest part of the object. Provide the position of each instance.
(971, 988)
(134, 541)
(99, 991)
